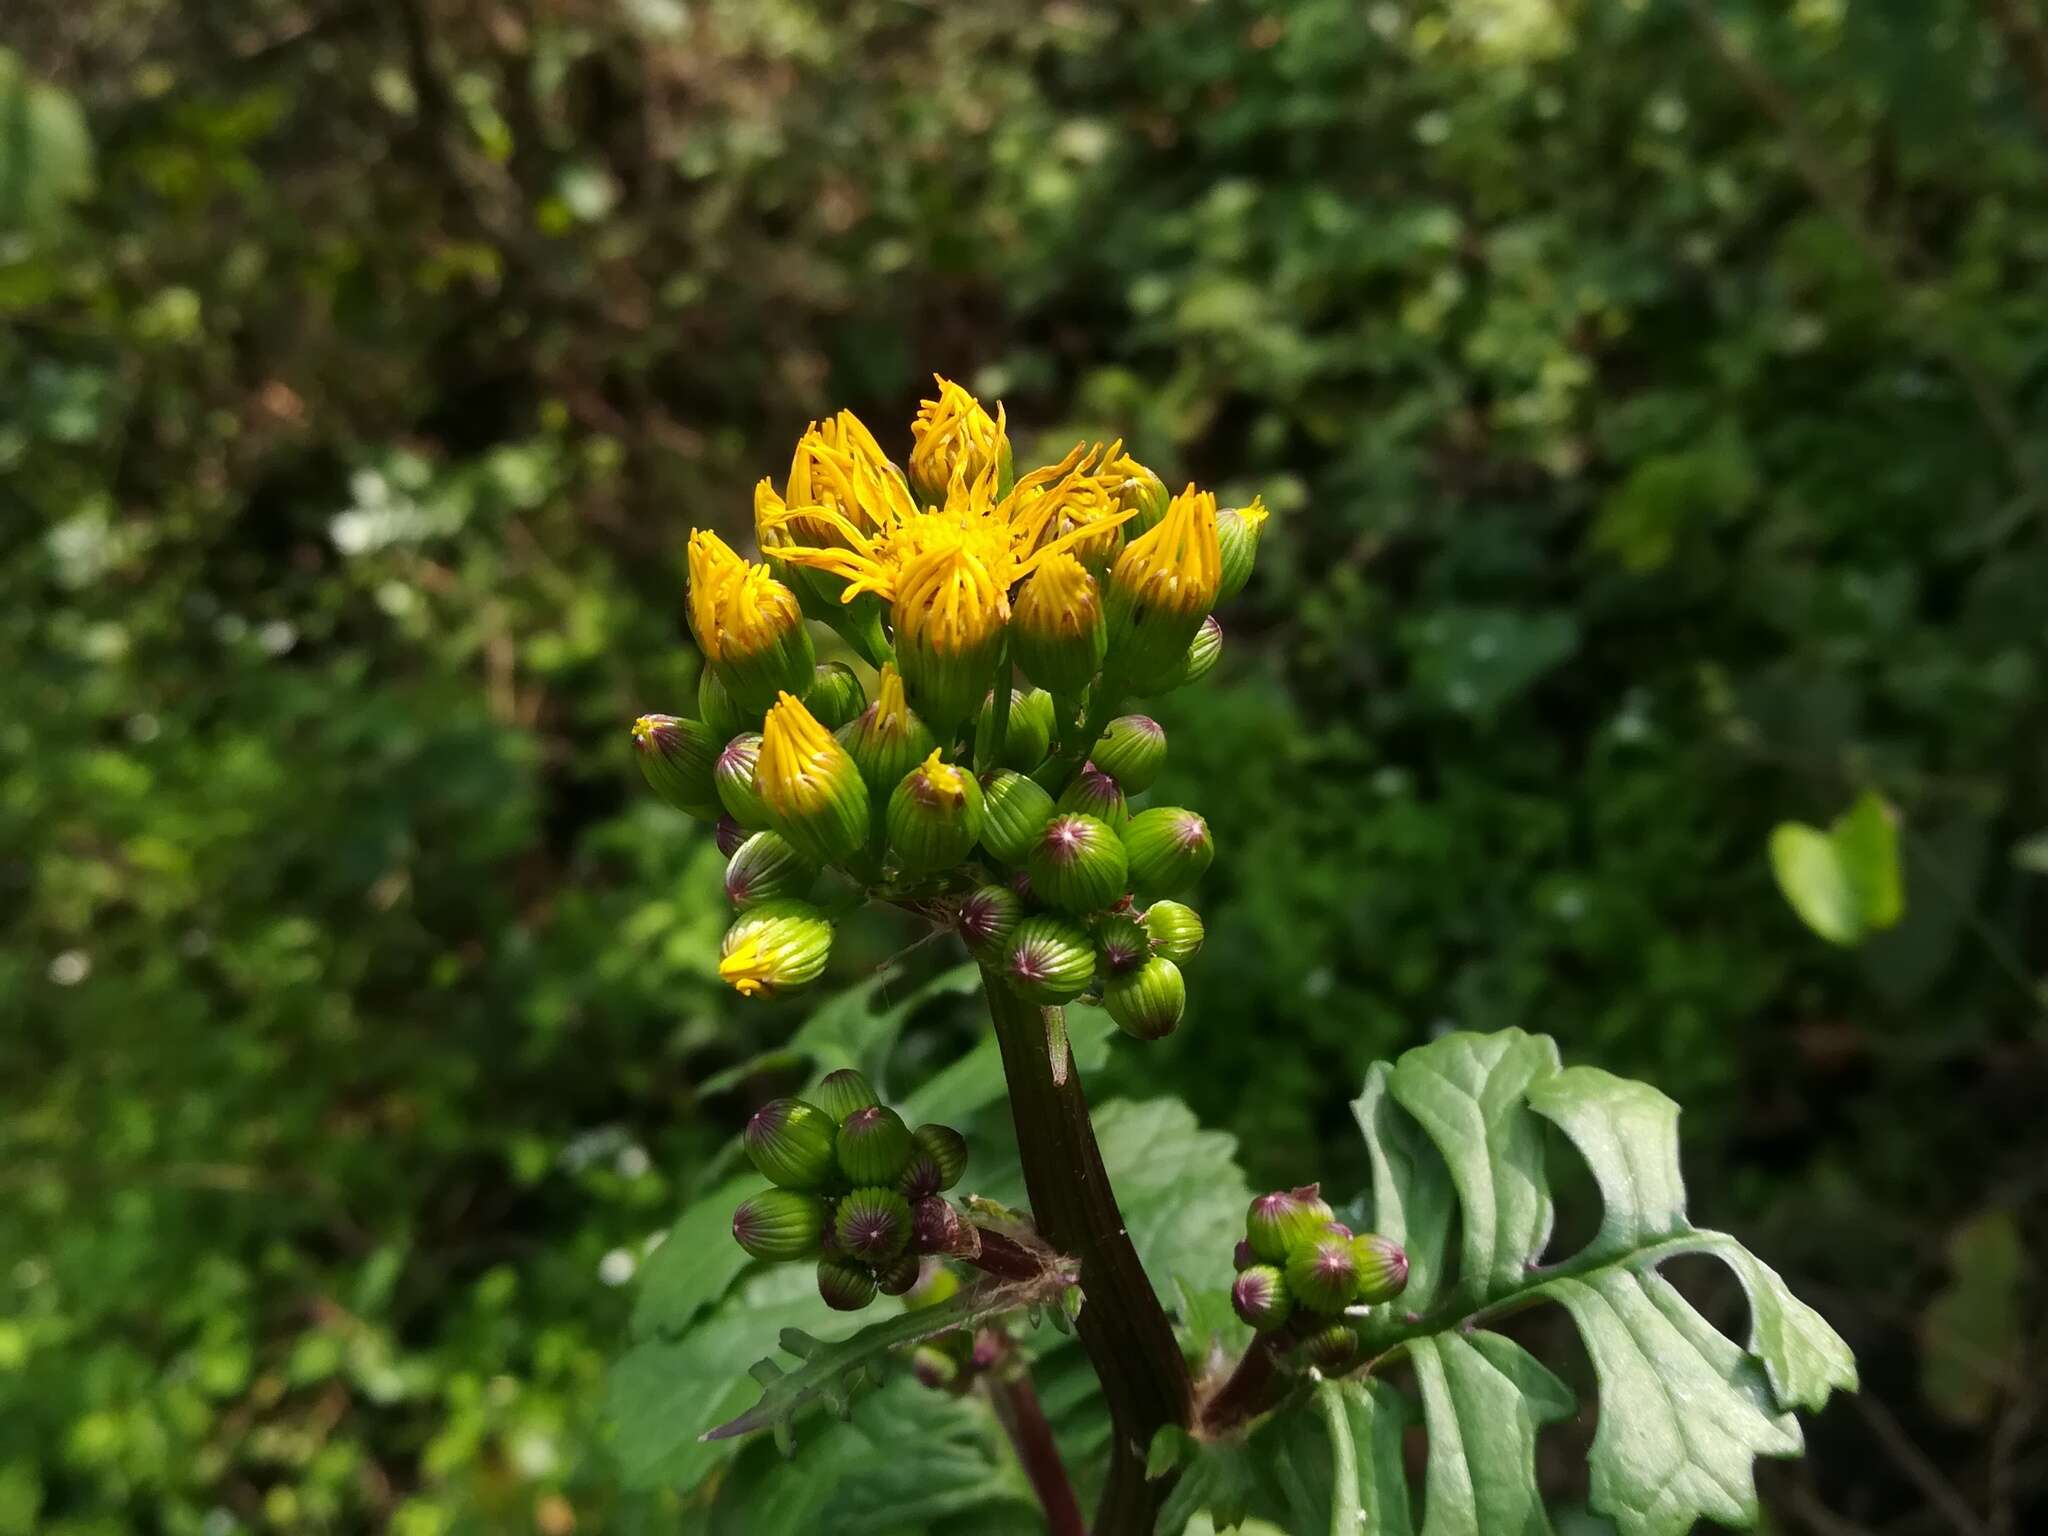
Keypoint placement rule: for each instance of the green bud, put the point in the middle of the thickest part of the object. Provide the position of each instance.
(934, 817)
(836, 695)
(1176, 931)
(986, 917)
(872, 1225)
(1095, 793)
(1050, 959)
(1169, 848)
(1121, 945)
(1237, 540)
(887, 739)
(718, 711)
(845, 1285)
(677, 757)
(1260, 1296)
(1382, 1267)
(1058, 632)
(1132, 751)
(873, 1146)
(918, 1181)
(840, 1093)
(775, 947)
(1331, 1348)
(1241, 1257)
(1014, 811)
(1285, 1222)
(734, 775)
(791, 1143)
(767, 868)
(779, 1224)
(1204, 651)
(1324, 1275)
(1028, 735)
(1147, 1003)
(947, 1148)
(729, 835)
(898, 1276)
(1078, 865)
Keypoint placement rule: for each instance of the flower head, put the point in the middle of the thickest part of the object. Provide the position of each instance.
(954, 438)
(775, 947)
(809, 785)
(749, 625)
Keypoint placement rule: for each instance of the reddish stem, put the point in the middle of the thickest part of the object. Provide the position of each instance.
(1023, 1418)
(1248, 1392)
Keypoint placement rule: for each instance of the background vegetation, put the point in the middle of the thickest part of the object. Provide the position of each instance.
(1651, 398)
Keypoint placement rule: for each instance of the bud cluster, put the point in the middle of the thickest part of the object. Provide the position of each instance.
(851, 1187)
(1008, 618)
(1299, 1269)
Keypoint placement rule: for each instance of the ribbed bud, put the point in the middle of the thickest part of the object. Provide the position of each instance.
(1078, 864)
(814, 794)
(934, 817)
(1176, 931)
(1095, 793)
(1147, 1003)
(1140, 492)
(845, 1285)
(1161, 588)
(1237, 542)
(836, 695)
(947, 1148)
(873, 1146)
(1020, 882)
(986, 917)
(898, 1276)
(1014, 811)
(1261, 1297)
(1058, 633)
(715, 707)
(734, 775)
(1323, 1275)
(777, 946)
(1050, 959)
(873, 1225)
(729, 835)
(791, 1143)
(779, 1224)
(1028, 735)
(1169, 848)
(934, 1225)
(1204, 651)
(677, 757)
(1132, 751)
(948, 617)
(842, 1092)
(749, 625)
(919, 1179)
(887, 739)
(1285, 1222)
(767, 868)
(1332, 1348)
(1241, 1257)
(1121, 945)
(1382, 1267)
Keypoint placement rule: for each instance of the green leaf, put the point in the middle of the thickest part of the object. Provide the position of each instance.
(1844, 883)
(1182, 1196)
(1969, 1334)
(695, 1265)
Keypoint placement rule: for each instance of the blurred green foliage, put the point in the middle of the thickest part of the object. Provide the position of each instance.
(1650, 397)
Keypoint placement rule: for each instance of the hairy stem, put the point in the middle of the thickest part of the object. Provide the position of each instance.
(1023, 1419)
(1122, 1325)
(1250, 1390)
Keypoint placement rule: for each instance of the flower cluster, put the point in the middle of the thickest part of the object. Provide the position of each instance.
(1009, 620)
(1300, 1270)
(852, 1187)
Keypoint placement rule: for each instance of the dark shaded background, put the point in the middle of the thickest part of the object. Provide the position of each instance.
(1650, 397)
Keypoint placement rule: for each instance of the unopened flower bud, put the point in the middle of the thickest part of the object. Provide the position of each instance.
(1020, 882)
(1095, 793)
(717, 709)
(777, 946)
(1285, 1222)
(986, 917)
(872, 1224)
(948, 615)
(677, 757)
(919, 1180)
(1027, 736)
(1121, 944)
(845, 1285)
(734, 776)
(947, 1148)
(1140, 492)
(898, 1276)
(813, 793)
(1050, 959)
(842, 1092)
(1204, 651)
(1078, 864)
(729, 835)
(836, 695)
(934, 1225)
(887, 739)
(1161, 588)
(1176, 931)
(873, 1146)
(779, 1224)
(1058, 633)
(1331, 1348)
(1014, 811)
(934, 817)
(1241, 1257)
(1261, 1297)
(749, 625)
(1382, 1267)
(791, 1143)
(1237, 541)
(1132, 751)
(766, 868)
(1147, 1003)
(1168, 847)
(1324, 1275)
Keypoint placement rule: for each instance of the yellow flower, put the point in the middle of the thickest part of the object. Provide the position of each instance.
(809, 785)
(954, 439)
(1176, 567)
(738, 610)
(838, 469)
(1058, 632)
(777, 946)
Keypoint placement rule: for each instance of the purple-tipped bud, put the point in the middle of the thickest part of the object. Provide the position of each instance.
(1078, 864)
(1277, 1223)
(790, 1142)
(766, 868)
(920, 1177)
(1014, 810)
(1027, 735)
(1095, 793)
(845, 1285)
(1382, 1268)
(934, 1226)
(836, 695)
(1324, 1275)
(1175, 930)
(897, 1277)
(730, 836)
(1169, 847)
(934, 816)
(947, 1148)
(1147, 1003)
(1132, 751)
(677, 757)
(734, 774)
(779, 1224)
(1332, 1348)
(1261, 1297)
(986, 917)
(874, 1146)
(872, 1225)
(1121, 944)
(842, 1092)
(1242, 1256)
(1050, 959)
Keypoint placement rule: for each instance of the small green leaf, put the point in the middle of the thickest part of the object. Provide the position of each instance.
(1969, 1334)
(1843, 883)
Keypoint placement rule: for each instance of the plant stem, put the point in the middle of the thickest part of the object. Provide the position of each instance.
(1248, 1392)
(1127, 1335)
(1023, 1419)
(1058, 771)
